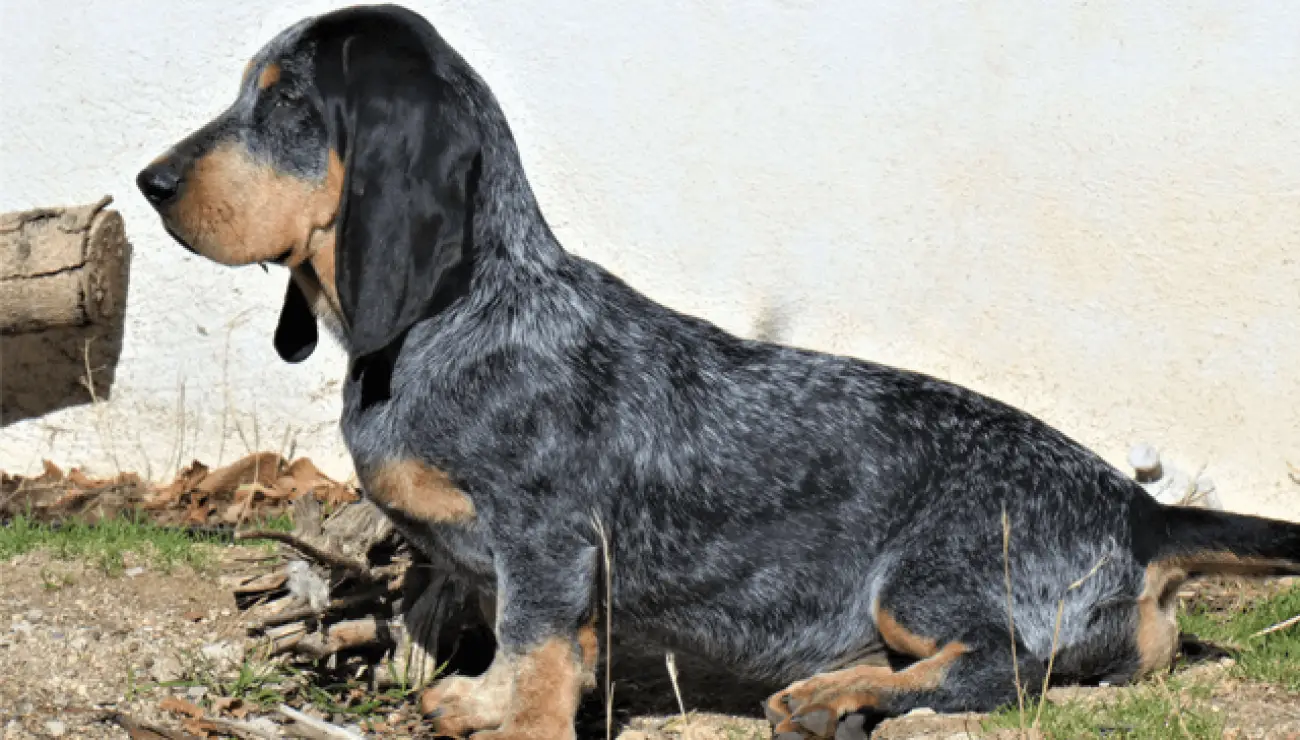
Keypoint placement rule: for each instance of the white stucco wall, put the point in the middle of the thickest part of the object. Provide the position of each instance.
(1088, 209)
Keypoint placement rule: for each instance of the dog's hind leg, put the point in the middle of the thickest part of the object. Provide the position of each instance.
(972, 673)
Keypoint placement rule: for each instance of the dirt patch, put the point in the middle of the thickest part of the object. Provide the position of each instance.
(75, 642)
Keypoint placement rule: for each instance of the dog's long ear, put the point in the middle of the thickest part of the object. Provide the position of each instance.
(412, 158)
(295, 334)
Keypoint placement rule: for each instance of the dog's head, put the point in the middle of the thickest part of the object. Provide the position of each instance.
(350, 156)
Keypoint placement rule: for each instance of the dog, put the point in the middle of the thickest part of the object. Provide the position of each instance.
(516, 409)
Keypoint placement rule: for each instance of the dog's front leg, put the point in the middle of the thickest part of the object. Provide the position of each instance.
(546, 648)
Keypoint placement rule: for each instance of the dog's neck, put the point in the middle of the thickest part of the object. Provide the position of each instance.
(510, 231)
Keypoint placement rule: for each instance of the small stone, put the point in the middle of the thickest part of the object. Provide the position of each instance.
(166, 669)
(133, 572)
(35, 615)
(920, 712)
(79, 644)
(265, 725)
(196, 692)
(223, 655)
(56, 728)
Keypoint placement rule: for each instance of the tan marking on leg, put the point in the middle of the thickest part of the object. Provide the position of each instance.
(589, 644)
(862, 687)
(419, 491)
(235, 210)
(465, 705)
(548, 685)
(531, 696)
(901, 639)
(270, 75)
(1157, 622)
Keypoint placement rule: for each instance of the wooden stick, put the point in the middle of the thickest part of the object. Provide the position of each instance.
(310, 727)
(349, 635)
(347, 602)
(306, 548)
(1293, 621)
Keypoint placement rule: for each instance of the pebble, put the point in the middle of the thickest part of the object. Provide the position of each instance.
(166, 669)
(223, 654)
(35, 615)
(133, 572)
(196, 692)
(79, 644)
(56, 728)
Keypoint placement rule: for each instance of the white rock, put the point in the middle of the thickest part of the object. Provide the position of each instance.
(920, 712)
(223, 655)
(166, 668)
(1144, 459)
(56, 728)
(35, 615)
(133, 572)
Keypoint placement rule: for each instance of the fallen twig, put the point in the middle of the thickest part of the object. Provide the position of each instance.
(315, 729)
(245, 730)
(306, 612)
(351, 635)
(1284, 624)
(144, 731)
(306, 548)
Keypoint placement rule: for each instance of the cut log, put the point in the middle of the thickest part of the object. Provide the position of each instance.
(61, 267)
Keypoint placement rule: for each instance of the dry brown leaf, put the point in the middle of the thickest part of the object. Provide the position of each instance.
(233, 706)
(177, 705)
(262, 467)
(50, 474)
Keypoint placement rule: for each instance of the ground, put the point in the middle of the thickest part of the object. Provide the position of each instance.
(93, 628)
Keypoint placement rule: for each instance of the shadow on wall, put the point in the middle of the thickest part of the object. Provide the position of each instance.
(63, 283)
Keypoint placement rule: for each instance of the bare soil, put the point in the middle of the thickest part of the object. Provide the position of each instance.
(77, 644)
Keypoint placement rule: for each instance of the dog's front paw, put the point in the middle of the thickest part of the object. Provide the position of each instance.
(460, 706)
(817, 708)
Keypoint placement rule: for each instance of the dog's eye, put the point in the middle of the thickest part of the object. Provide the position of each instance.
(286, 95)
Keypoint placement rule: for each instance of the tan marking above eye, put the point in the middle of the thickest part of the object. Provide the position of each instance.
(270, 75)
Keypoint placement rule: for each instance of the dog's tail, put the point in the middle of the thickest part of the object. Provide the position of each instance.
(1205, 541)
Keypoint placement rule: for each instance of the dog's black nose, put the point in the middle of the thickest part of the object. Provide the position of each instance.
(159, 182)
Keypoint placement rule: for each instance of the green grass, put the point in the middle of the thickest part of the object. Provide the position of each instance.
(1149, 711)
(106, 543)
(1154, 710)
(1273, 658)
